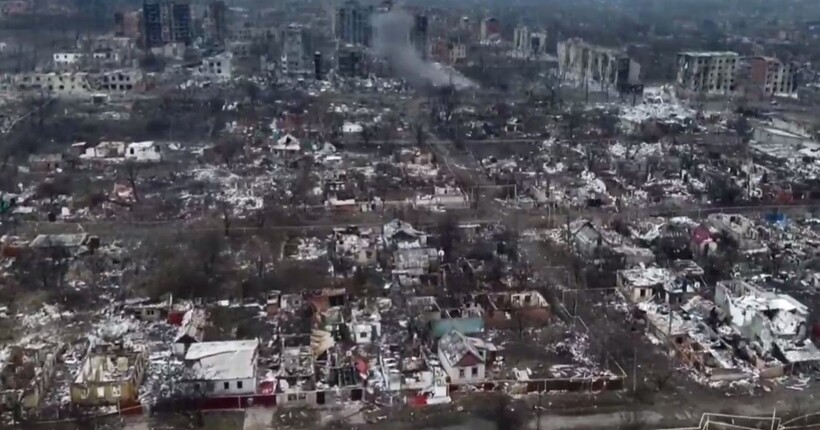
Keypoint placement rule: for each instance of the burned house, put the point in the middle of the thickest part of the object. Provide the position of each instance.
(642, 284)
(466, 319)
(514, 310)
(191, 331)
(739, 230)
(110, 375)
(415, 261)
(355, 245)
(46, 162)
(312, 372)
(276, 302)
(26, 372)
(64, 244)
(398, 234)
(775, 324)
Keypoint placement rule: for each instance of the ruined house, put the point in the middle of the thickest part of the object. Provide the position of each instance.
(355, 245)
(191, 331)
(110, 375)
(26, 372)
(46, 162)
(775, 323)
(641, 284)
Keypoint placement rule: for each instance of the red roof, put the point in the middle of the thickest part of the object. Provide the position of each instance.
(701, 234)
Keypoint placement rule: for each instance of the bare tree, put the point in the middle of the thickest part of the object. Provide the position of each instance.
(419, 133)
(366, 135)
(226, 217)
(228, 149)
(130, 171)
(51, 189)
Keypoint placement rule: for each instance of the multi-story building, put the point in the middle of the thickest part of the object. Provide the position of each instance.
(351, 61)
(122, 80)
(219, 66)
(166, 21)
(707, 72)
(448, 51)
(418, 35)
(528, 44)
(490, 29)
(596, 66)
(216, 21)
(769, 76)
(294, 48)
(55, 84)
(521, 39)
(353, 23)
(128, 24)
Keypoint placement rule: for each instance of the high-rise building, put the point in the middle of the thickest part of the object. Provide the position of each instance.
(216, 22)
(318, 70)
(707, 72)
(490, 29)
(350, 61)
(528, 44)
(295, 46)
(353, 23)
(166, 21)
(418, 35)
(521, 40)
(128, 24)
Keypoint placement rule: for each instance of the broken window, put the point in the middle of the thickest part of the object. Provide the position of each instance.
(239, 385)
(226, 385)
(116, 391)
(302, 396)
(460, 373)
(475, 371)
(291, 397)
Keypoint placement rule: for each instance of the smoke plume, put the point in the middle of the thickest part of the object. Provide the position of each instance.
(391, 40)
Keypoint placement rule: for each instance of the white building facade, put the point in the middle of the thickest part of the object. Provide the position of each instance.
(707, 72)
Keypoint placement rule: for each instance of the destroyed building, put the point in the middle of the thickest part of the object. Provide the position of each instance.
(596, 66)
(774, 323)
(26, 373)
(110, 375)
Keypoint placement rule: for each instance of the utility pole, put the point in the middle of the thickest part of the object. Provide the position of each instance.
(634, 367)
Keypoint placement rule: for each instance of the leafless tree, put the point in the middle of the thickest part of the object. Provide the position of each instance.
(51, 189)
(366, 135)
(130, 171)
(228, 149)
(226, 217)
